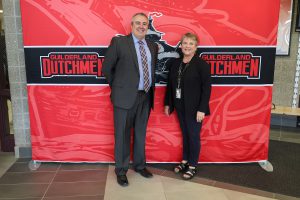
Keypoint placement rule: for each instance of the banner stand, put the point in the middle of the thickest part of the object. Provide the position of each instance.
(34, 165)
(69, 104)
(266, 165)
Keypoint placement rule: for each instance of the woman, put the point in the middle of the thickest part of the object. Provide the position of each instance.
(188, 91)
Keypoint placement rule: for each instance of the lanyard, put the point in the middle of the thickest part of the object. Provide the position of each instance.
(180, 73)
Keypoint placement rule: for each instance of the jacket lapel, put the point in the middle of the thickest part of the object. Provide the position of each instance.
(133, 51)
(152, 51)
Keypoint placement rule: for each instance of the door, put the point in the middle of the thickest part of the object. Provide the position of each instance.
(7, 142)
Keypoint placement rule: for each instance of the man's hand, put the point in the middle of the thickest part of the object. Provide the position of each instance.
(167, 110)
(200, 116)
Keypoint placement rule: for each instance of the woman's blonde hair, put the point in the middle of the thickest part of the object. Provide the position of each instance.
(191, 36)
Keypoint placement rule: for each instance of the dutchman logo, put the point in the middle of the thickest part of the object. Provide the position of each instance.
(71, 64)
(233, 64)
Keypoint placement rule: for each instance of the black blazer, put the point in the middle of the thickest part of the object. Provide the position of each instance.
(196, 86)
(121, 70)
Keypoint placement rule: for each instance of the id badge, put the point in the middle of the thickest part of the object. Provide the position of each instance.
(178, 93)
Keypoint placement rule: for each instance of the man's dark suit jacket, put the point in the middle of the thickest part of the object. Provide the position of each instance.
(196, 87)
(121, 70)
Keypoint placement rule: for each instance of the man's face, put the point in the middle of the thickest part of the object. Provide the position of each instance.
(139, 26)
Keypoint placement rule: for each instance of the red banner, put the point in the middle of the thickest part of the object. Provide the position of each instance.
(69, 105)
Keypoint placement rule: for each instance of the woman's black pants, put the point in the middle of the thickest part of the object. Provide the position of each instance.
(191, 137)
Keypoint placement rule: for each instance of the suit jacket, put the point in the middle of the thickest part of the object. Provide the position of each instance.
(121, 70)
(196, 83)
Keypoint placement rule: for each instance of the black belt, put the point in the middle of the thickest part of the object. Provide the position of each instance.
(141, 92)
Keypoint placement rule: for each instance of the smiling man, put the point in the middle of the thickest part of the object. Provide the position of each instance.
(129, 69)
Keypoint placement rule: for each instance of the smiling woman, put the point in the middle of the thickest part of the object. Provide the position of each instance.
(188, 91)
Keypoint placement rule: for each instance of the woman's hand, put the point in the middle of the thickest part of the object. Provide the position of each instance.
(167, 110)
(200, 116)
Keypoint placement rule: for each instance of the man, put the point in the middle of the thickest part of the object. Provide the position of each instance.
(129, 69)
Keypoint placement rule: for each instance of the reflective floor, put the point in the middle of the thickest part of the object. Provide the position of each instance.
(6, 160)
(97, 181)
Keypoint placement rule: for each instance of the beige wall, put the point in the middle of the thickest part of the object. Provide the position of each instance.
(17, 77)
(1, 17)
(285, 68)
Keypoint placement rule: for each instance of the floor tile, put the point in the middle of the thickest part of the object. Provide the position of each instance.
(286, 129)
(156, 170)
(7, 159)
(233, 195)
(138, 188)
(203, 181)
(272, 137)
(174, 185)
(286, 134)
(284, 197)
(7, 156)
(82, 166)
(244, 190)
(293, 140)
(275, 135)
(87, 175)
(22, 190)
(23, 159)
(26, 177)
(76, 189)
(176, 189)
(38, 198)
(275, 132)
(290, 134)
(23, 167)
(171, 174)
(98, 197)
(180, 189)
(195, 195)
(133, 196)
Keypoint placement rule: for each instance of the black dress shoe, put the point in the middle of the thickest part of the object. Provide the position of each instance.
(122, 180)
(144, 172)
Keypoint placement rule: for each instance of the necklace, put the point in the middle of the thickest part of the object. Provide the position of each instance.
(179, 77)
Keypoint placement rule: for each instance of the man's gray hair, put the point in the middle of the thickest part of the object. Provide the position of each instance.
(140, 14)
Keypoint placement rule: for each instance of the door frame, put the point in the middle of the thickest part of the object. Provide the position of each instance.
(7, 140)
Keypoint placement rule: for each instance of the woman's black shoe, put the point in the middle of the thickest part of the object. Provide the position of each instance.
(181, 167)
(189, 173)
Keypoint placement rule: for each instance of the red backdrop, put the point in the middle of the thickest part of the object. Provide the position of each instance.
(71, 116)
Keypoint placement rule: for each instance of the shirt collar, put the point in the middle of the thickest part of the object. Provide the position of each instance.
(135, 40)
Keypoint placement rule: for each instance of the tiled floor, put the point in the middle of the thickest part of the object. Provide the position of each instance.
(6, 160)
(59, 181)
(54, 181)
(162, 187)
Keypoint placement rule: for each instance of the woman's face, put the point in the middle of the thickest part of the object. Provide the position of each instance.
(188, 47)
